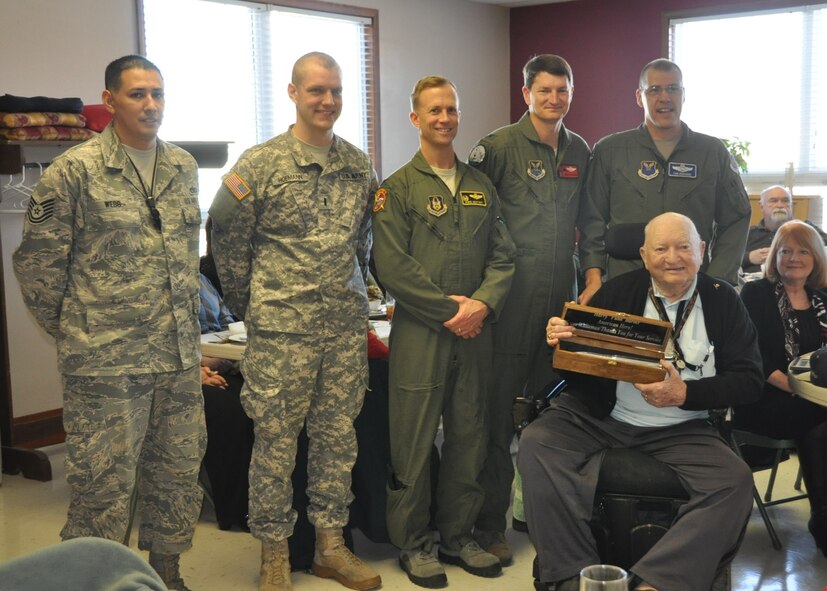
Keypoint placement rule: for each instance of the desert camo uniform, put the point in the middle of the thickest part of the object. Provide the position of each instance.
(120, 299)
(291, 240)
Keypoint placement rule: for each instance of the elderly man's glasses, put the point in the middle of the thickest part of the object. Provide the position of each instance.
(671, 89)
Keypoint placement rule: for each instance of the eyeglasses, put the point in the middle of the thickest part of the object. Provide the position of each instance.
(153, 211)
(656, 90)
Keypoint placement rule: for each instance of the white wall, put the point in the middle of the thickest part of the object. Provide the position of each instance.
(60, 49)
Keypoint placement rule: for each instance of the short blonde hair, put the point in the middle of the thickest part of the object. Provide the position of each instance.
(808, 238)
(426, 83)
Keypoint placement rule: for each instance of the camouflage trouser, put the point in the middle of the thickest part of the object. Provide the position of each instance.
(289, 379)
(119, 427)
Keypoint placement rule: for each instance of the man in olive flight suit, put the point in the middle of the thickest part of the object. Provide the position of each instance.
(109, 267)
(443, 251)
(538, 167)
(291, 240)
(661, 166)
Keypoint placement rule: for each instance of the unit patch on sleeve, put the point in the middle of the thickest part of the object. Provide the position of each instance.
(568, 171)
(40, 211)
(683, 170)
(648, 170)
(379, 199)
(477, 154)
(436, 206)
(237, 186)
(473, 198)
(536, 170)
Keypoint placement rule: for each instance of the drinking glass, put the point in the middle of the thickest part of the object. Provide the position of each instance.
(603, 577)
(390, 305)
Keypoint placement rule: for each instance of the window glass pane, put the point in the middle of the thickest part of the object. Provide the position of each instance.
(218, 87)
(738, 84)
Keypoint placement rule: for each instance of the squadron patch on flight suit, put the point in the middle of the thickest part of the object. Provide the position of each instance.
(436, 206)
(379, 200)
(648, 170)
(733, 164)
(536, 170)
(473, 198)
(683, 170)
(568, 171)
(477, 154)
(237, 186)
(40, 211)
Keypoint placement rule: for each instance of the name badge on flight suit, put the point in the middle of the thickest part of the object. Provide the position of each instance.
(472, 198)
(436, 206)
(568, 171)
(683, 170)
(648, 170)
(536, 170)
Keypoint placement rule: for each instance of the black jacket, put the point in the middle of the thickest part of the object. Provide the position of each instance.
(738, 378)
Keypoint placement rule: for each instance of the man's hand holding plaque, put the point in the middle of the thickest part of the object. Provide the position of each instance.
(611, 344)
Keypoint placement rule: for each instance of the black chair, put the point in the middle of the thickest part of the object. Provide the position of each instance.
(739, 438)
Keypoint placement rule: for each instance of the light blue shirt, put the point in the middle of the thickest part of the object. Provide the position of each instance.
(631, 407)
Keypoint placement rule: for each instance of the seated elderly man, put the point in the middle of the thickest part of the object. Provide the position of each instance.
(717, 364)
(777, 206)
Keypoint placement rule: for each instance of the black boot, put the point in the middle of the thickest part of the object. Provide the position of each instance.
(812, 455)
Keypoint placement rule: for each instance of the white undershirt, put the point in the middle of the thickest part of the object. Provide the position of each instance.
(631, 407)
(448, 176)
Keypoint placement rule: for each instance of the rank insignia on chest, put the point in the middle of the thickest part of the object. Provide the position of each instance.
(683, 170)
(568, 171)
(237, 186)
(473, 198)
(436, 205)
(648, 170)
(379, 200)
(536, 170)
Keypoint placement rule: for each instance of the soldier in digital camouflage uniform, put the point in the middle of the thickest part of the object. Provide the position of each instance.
(443, 251)
(291, 240)
(118, 290)
(538, 167)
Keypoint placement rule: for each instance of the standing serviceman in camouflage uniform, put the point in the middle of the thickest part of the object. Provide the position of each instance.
(108, 265)
(538, 167)
(291, 240)
(443, 251)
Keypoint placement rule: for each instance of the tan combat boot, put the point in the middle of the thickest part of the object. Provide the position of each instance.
(166, 565)
(275, 567)
(333, 560)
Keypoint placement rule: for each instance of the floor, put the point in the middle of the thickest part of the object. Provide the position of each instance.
(32, 513)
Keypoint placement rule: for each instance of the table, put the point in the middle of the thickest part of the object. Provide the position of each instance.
(216, 344)
(802, 386)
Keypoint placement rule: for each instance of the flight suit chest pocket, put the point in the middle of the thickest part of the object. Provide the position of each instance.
(426, 224)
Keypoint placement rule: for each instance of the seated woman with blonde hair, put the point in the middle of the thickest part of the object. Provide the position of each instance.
(789, 309)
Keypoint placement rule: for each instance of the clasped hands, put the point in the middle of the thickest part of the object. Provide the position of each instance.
(669, 392)
(467, 322)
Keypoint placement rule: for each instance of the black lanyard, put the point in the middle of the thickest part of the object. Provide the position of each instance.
(684, 310)
(150, 190)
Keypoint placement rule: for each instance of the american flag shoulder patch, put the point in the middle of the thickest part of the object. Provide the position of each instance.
(237, 186)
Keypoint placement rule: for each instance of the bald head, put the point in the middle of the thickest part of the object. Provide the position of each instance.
(314, 57)
(672, 252)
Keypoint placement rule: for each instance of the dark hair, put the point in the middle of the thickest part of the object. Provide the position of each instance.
(662, 65)
(112, 76)
(546, 62)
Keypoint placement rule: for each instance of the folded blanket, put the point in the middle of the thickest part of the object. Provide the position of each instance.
(21, 104)
(40, 119)
(46, 133)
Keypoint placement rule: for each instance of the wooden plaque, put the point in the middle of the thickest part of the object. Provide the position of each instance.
(613, 345)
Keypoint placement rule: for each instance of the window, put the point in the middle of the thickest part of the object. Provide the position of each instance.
(226, 72)
(760, 77)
